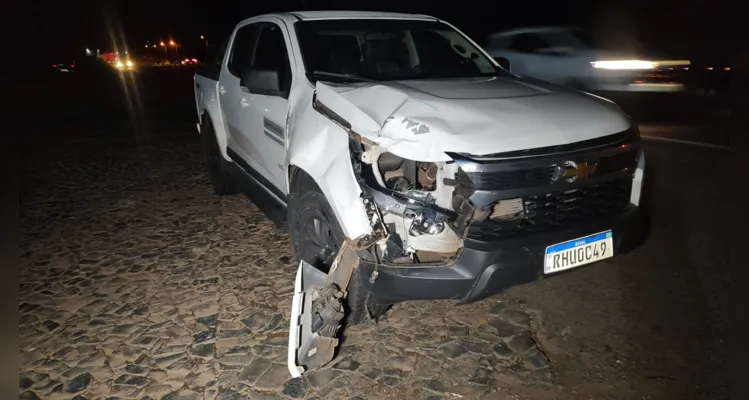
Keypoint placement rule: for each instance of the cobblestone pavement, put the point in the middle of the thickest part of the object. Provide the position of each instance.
(137, 282)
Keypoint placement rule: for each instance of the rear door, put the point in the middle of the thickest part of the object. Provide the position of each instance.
(235, 101)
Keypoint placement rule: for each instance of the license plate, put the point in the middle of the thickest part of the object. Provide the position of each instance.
(577, 252)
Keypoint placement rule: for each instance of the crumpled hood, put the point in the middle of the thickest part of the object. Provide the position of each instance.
(421, 120)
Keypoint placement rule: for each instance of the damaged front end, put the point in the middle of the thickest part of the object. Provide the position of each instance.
(410, 202)
(416, 215)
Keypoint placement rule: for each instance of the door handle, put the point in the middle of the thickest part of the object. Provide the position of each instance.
(243, 102)
(221, 90)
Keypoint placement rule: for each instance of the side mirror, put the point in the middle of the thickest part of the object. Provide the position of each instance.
(503, 62)
(262, 81)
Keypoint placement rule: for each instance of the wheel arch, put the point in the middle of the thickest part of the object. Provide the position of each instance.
(342, 193)
(322, 154)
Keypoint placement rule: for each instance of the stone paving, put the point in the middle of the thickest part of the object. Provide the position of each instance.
(137, 282)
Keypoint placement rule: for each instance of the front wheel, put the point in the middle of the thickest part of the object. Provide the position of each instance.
(316, 238)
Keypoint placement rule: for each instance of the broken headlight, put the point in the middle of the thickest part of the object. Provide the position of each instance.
(410, 189)
(406, 175)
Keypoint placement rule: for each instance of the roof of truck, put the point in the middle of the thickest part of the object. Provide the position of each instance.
(308, 15)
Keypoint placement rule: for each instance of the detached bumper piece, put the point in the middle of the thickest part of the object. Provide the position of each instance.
(317, 312)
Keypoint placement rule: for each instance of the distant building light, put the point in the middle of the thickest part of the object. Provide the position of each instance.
(727, 69)
(709, 68)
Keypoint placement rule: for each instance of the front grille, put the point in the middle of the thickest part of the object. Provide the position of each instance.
(511, 179)
(549, 211)
(540, 176)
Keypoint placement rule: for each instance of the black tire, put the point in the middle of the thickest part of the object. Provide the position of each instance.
(316, 237)
(216, 167)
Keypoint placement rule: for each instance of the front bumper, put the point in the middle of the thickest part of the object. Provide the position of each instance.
(486, 268)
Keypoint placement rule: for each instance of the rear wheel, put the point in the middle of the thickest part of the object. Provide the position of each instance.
(216, 167)
(316, 237)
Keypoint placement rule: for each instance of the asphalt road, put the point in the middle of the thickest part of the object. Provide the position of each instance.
(650, 324)
(685, 118)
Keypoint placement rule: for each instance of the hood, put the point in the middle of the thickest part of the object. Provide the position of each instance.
(421, 120)
(474, 88)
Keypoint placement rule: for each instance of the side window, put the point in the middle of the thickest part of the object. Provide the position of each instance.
(528, 43)
(271, 55)
(242, 48)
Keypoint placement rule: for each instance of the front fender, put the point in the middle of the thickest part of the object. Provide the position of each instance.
(321, 149)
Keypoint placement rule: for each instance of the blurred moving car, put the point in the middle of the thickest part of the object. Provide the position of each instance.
(63, 67)
(568, 56)
(190, 61)
(124, 65)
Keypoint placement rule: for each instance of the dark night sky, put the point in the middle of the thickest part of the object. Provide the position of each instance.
(687, 29)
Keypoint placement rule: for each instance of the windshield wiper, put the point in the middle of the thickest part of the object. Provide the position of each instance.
(352, 77)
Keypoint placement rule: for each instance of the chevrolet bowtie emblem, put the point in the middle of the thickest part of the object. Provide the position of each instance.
(572, 171)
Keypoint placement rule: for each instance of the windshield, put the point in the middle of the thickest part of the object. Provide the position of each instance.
(383, 50)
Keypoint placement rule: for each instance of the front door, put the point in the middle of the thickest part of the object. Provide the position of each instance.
(269, 112)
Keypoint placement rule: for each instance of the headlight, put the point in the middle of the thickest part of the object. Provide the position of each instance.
(624, 64)
(119, 64)
(129, 63)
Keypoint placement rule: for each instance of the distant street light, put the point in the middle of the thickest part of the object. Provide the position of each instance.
(206, 44)
(166, 55)
(176, 48)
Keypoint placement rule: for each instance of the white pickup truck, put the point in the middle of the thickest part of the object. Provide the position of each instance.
(406, 164)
